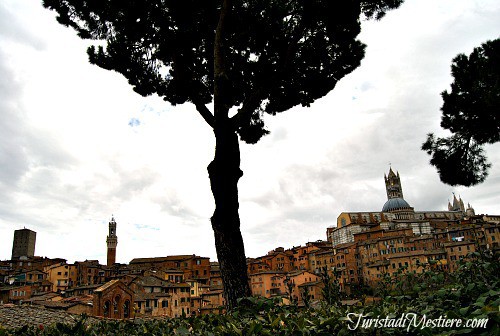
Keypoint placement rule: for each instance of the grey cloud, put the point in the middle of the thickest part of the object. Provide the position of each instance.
(13, 158)
(13, 29)
(172, 204)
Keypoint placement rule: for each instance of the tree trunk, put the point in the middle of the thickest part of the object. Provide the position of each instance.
(224, 172)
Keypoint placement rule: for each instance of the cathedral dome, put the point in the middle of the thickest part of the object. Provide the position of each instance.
(395, 204)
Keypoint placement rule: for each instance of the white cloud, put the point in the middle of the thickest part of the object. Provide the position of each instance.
(70, 157)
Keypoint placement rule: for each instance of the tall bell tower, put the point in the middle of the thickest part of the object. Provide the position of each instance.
(112, 241)
(393, 185)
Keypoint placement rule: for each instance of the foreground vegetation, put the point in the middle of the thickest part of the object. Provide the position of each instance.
(472, 292)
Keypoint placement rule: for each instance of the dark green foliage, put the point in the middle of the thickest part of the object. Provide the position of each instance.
(471, 111)
(459, 160)
(331, 287)
(289, 291)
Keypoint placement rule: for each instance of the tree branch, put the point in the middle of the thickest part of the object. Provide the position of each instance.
(253, 100)
(251, 103)
(204, 112)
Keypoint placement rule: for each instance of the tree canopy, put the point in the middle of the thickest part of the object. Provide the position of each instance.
(277, 54)
(471, 112)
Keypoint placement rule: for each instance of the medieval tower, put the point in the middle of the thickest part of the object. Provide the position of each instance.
(393, 185)
(112, 241)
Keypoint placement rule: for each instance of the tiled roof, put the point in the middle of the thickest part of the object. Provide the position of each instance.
(106, 285)
(55, 304)
(80, 299)
(149, 296)
(13, 316)
(84, 287)
(44, 297)
(149, 281)
(160, 259)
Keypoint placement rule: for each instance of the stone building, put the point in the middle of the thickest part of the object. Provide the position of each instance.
(23, 244)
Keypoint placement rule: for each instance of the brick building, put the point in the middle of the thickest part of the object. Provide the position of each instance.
(113, 300)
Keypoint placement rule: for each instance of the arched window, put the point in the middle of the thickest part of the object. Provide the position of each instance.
(116, 307)
(107, 304)
(126, 309)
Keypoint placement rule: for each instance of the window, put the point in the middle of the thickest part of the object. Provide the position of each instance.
(164, 304)
(126, 309)
(107, 304)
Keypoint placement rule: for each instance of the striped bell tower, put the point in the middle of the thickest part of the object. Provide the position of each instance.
(112, 241)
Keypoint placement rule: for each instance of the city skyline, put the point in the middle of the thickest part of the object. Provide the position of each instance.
(80, 146)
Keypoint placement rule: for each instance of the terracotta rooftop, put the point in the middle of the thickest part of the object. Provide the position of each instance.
(14, 316)
(44, 297)
(168, 258)
(106, 285)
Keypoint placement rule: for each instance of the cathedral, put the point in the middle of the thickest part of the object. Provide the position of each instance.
(396, 213)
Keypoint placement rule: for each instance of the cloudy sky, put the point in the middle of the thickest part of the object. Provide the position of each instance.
(78, 145)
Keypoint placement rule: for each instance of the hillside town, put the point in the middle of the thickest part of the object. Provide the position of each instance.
(358, 252)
